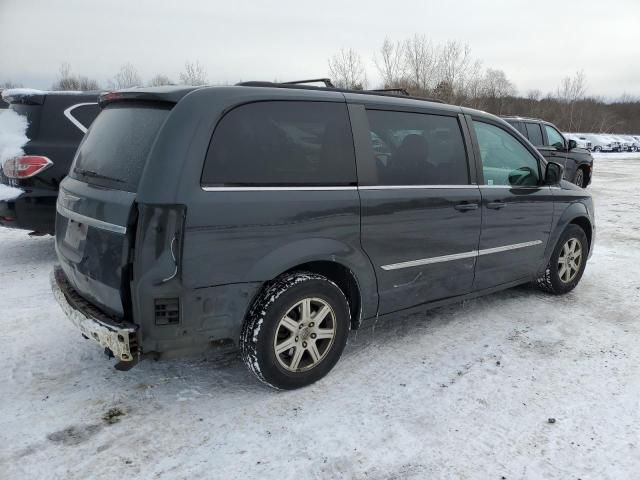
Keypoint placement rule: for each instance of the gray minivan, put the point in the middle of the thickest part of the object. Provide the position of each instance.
(281, 217)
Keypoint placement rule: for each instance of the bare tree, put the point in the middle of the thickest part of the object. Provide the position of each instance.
(346, 70)
(571, 91)
(421, 63)
(496, 88)
(453, 65)
(126, 77)
(572, 88)
(160, 80)
(9, 84)
(68, 81)
(390, 64)
(194, 74)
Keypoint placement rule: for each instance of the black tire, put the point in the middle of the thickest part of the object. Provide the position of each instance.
(263, 324)
(550, 280)
(580, 178)
(597, 149)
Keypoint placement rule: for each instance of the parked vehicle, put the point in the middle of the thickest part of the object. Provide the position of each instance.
(624, 145)
(577, 162)
(632, 144)
(581, 142)
(283, 216)
(598, 144)
(615, 143)
(57, 123)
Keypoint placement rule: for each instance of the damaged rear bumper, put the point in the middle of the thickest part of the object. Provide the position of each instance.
(121, 338)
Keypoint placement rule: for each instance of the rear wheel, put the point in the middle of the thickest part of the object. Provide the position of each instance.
(567, 262)
(597, 149)
(296, 330)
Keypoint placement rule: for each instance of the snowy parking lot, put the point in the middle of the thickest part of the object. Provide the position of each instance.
(518, 385)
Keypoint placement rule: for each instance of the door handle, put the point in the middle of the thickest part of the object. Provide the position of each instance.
(463, 207)
(496, 205)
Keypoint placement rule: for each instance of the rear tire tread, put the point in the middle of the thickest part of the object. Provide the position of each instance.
(255, 320)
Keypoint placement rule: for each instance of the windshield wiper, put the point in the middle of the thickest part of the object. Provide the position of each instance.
(89, 173)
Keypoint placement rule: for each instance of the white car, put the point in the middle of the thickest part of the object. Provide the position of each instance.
(598, 142)
(634, 143)
(582, 141)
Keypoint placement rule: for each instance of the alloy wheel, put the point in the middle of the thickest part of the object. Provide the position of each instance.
(305, 335)
(570, 260)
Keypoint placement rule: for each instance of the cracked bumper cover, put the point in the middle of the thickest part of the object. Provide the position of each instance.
(119, 337)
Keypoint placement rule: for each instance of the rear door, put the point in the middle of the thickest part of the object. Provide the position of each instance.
(420, 211)
(517, 210)
(95, 220)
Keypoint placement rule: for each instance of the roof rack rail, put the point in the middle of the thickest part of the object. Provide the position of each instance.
(397, 91)
(327, 82)
(390, 92)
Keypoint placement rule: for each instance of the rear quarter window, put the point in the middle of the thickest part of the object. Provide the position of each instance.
(115, 149)
(280, 143)
(85, 114)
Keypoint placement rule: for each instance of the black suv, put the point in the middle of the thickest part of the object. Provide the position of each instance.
(577, 162)
(283, 216)
(57, 121)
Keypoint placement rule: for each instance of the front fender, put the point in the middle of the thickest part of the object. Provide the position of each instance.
(565, 213)
(290, 255)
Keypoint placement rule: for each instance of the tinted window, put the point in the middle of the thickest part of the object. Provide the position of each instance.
(518, 126)
(534, 134)
(86, 114)
(115, 149)
(554, 137)
(282, 143)
(505, 161)
(417, 149)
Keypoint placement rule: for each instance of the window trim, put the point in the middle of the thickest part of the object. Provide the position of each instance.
(367, 173)
(479, 166)
(276, 186)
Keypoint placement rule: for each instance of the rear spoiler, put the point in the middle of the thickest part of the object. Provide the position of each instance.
(169, 95)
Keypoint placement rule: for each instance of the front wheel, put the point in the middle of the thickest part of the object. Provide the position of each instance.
(296, 330)
(579, 178)
(567, 263)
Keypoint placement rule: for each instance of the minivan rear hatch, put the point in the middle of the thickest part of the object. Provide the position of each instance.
(95, 224)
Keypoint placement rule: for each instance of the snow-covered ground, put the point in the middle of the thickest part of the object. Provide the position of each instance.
(464, 392)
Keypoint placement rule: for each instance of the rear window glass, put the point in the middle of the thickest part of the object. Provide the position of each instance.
(115, 149)
(280, 143)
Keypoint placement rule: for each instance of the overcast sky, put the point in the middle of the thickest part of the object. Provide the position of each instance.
(536, 42)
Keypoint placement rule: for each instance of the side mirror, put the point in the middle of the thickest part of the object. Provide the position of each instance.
(572, 144)
(553, 173)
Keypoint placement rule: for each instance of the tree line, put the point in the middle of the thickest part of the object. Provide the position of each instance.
(127, 76)
(445, 71)
(450, 73)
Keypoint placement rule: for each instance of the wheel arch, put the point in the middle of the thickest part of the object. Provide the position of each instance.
(577, 214)
(347, 267)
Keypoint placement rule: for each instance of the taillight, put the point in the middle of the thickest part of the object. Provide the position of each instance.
(26, 166)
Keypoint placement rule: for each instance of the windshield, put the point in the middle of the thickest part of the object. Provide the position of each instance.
(115, 149)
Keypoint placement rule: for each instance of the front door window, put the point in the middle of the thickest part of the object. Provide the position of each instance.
(505, 161)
